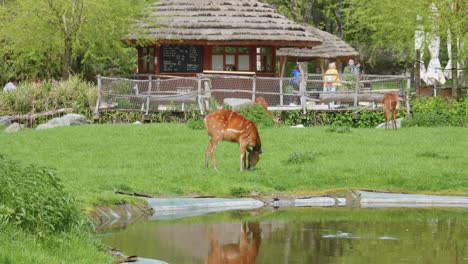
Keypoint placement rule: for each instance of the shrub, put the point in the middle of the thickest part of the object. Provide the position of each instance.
(436, 111)
(33, 98)
(257, 114)
(34, 200)
(239, 192)
(196, 124)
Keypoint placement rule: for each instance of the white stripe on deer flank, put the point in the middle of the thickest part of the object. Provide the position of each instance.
(235, 130)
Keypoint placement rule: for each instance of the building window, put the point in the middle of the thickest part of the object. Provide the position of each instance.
(264, 57)
(147, 59)
(230, 58)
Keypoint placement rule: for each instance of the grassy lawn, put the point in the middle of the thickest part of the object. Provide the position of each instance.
(167, 160)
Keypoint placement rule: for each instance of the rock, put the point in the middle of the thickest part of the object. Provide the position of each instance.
(235, 103)
(74, 120)
(137, 123)
(13, 128)
(5, 120)
(66, 120)
(298, 126)
(398, 124)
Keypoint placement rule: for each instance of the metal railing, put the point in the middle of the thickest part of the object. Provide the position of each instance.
(311, 92)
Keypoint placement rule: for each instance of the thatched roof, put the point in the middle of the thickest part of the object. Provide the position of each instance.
(217, 21)
(332, 47)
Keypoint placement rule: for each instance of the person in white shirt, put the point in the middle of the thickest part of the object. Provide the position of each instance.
(10, 86)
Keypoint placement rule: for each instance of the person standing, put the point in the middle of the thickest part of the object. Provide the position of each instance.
(331, 80)
(352, 69)
(10, 86)
(296, 75)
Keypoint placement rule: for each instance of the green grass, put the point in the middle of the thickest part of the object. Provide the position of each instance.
(18, 247)
(168, 160)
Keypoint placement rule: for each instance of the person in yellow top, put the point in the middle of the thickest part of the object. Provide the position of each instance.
(331, 79)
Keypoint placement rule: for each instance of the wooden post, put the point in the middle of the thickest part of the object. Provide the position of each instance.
(281, 90)
(417, 71)
(148, 97)
(356, 91)
(199, 95)
(254, 87)
(302, 91)
(98, 101)
(407, 94)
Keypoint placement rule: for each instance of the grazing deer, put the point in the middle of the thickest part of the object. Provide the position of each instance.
(232, 126)
(260, 100)
(244, 252)
(390, 102)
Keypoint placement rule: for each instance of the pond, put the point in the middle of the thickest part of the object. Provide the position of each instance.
(301, 235)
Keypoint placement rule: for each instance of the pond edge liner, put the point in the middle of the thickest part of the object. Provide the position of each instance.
(172, 208)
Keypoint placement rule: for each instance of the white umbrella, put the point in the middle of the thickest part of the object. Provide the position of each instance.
(434, 74)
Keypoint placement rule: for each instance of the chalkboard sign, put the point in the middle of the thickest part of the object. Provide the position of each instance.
(181, 58)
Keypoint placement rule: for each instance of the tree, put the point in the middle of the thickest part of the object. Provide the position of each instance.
(390, 24)
(51, 38)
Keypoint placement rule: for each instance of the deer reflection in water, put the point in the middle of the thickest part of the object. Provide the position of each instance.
(244, 252)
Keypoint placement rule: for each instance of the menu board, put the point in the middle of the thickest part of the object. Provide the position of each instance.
(181, 58)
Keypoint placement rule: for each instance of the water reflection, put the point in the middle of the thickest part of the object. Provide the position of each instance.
(303, 236)
(243, 252)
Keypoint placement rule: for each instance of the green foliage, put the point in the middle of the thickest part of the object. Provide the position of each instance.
(257, 114)
(239, 192)
(33, 98)
(437, 111)
(301, 157)
(35, 36)
(373, 22)
(33, 199)
(365, 119)
(196, 124)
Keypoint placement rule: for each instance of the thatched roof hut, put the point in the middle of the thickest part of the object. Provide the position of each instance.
(231, 22)
(332, 47)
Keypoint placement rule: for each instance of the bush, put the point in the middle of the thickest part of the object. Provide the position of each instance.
(34, 98)
(257, 114)
(196, 124)
(33, 199)
(437, 111)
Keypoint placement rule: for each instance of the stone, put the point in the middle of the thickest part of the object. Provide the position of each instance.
(74, 120)
(13, 128)
(66, 120)
(5, 120)
(236, 103)
(137, 123)
(398, 124)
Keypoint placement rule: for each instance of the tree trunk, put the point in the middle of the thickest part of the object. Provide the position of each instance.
(67, 58)
(454, 70)
(308, 12)
(417, 71)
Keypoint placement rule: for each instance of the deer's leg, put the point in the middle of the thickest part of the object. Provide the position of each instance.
(210, 151)
(394, 114)
(243, 157)
(387, 117)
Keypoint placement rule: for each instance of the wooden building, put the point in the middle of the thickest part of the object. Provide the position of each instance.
(187, 37)
(332, 48)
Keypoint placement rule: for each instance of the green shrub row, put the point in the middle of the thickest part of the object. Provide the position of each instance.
(33, 199)
(437, 111)
(47, 96)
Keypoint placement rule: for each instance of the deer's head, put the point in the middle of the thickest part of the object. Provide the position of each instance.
(254, 157)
